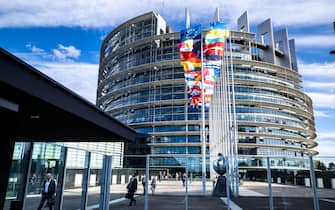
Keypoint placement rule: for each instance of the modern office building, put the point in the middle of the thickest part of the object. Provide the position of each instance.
(141, 83)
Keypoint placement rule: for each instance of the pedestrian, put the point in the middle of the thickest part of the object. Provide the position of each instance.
(191, 177)
(143, 183)
(132, 187)
(32, 183)
(153, 185)
(48, 192)
(177, 178)
(160, 176)
(183, 180)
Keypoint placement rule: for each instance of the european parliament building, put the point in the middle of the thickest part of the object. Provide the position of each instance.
(141, 83)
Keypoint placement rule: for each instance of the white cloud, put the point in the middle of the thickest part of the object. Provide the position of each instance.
(326, 142)
(317, 70)
(322, 100)
(326, 147)
(63, 52)
(34, 49)
(315, 41)
(79, 77)
(319, 85)
(109, 13)
(319, 113)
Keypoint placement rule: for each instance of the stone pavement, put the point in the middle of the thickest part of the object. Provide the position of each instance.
(281, 190)
(281, 203)
(170, 195)
(164, 202)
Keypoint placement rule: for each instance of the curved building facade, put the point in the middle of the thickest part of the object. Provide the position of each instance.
(141, 83)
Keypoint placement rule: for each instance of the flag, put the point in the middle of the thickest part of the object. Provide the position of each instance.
(190, 56)
(213, 51)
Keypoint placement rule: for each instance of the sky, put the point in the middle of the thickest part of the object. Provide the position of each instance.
(63, 38)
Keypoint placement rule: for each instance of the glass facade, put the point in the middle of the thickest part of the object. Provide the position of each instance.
(141, 83)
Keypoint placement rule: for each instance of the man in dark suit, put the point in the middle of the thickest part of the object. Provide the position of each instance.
(132, 187)
(48, 192)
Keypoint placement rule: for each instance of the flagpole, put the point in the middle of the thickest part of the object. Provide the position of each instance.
(203, 126)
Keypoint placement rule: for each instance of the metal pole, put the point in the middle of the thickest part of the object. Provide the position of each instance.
(105, 183)
(84, 192)
(146, 182)
(315, 193)
(203, 133)
(61, 181)
(227, 182)
(186, 187)
(235, 139)
(108, 181)
(269, 182)
(28, 155)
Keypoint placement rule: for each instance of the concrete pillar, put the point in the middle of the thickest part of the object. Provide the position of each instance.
(307, 182)
(278, 180)
(114, 179)
(265, 33)
(123, 179)
(333, 183)
(320, 183)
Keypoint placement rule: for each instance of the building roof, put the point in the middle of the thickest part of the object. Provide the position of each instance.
(44, 110)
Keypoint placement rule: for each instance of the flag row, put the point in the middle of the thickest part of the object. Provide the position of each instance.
(202, 59)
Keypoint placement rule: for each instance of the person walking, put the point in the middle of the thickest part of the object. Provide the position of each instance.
(143, 183)
(132, 187)
(48, 192)
(32, 183)
(153, 185)
(160, 176)
(183, 179)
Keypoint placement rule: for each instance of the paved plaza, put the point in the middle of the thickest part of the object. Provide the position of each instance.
(170, 195)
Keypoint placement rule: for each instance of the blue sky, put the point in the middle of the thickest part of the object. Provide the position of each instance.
(63, 38)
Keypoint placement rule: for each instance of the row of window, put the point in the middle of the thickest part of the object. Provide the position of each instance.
(274, 162)
(176, 139)
(131, 33)
(143, 77)
(270, 141)
(258, 118)
(238, 68)
(268, 130)
(175, 150)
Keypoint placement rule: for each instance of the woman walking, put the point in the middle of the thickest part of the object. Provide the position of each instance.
(153, 185)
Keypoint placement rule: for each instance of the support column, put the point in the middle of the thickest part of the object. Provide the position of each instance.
(6, 150)
(186, 186)
(313, 181)
(27, 159)
(61, 181)
(269, 182)
(227, 182)
(147, 166)
(105, 183)
(86, 175)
